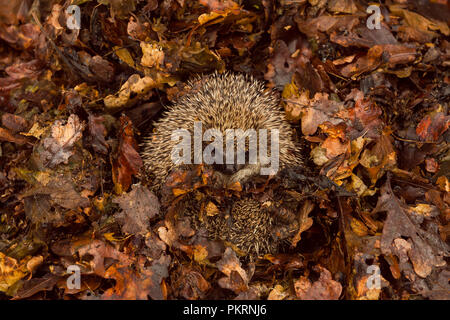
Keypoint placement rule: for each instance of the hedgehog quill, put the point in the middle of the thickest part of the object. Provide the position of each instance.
(221, 104)
(214, 152)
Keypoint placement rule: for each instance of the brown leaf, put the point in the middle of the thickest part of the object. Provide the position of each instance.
(128, 161)
(368, 113)
(236, 278)
(152, 55)
(433, 126)
(61, 191)
(321, 110)
(427, 249)
(120, 8)
(138, 284)
(6, 135)
(11, 271)
(131, 91)
(30, 69)
(191, 284)
(97, 252)
(97, 133)
(380, 158)
(102, 69)
(14, 123)
(285, 261)
(364, 64)
(181, 181)
(377, 36)
(325, 23)
(155, 245)
(88, 284)
(325, 288)
(363, 288)
(278, 293)
(137, 30)
(285, 65)
(19, 71)
(219, 6)
(334, 147)
(14, 11)
(138, 207)
(35, 285)
(342, 6)
(398, 54)
(305, 222)
(25, 36)
(419, 22)
(440, 287)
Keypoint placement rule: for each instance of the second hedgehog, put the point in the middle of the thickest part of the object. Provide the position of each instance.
(227, 101)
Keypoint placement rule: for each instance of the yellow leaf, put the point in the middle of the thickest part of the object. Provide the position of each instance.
(358, 227)
(153, 55)
(204, 18)
(177, 192)
(200, 253)
(125, 56)
(10, 272)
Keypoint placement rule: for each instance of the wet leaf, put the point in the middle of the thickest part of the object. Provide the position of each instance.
(128, 161)
(432, 127)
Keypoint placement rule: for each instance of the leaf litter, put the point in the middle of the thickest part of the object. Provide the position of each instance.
(369, 106)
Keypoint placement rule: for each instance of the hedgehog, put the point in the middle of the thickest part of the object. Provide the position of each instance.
(220, 101)
(252, 227)
(225, 101)
(247, 225)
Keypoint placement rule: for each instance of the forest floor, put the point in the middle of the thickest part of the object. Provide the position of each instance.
(366, 88)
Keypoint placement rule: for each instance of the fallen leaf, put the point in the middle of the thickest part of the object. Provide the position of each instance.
(433, 126)
(236, 278)
(138, 207)
(138, 284)
(325, 288)
(153, 56)
(427, 249)
(58, 147)
(128, 161)
(191, 284)
(305, 222)
(35, 285)
(130, 91)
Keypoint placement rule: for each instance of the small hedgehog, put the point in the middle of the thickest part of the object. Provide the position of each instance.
(226, 101)
(222, 102)
(253, 227)
(248, 226)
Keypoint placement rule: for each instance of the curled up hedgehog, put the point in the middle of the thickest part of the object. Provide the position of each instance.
(224, 102)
